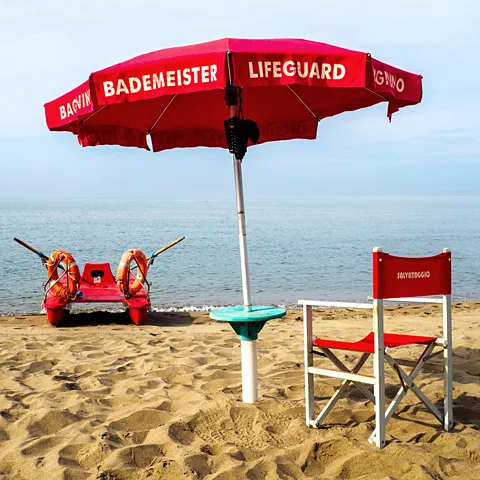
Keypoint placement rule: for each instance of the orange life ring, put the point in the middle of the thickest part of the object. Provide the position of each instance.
(68, 289)
(124, 272)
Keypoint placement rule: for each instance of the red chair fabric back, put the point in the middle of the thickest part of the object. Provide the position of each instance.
(395, 277)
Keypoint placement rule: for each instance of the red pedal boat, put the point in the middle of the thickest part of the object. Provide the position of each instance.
(97, 284)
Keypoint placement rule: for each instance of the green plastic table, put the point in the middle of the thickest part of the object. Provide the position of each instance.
(247, 325)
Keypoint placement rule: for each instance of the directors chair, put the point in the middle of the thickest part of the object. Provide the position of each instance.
(398, 279)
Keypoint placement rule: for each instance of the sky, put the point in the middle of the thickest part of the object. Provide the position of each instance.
(48, 47)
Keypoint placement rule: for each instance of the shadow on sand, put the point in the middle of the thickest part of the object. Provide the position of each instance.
(159, 319)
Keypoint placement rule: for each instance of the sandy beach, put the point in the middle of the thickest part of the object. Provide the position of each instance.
(104, 399)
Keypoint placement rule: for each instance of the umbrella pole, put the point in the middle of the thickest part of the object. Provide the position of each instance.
(242, 235)
(249, 347)
(249, 371)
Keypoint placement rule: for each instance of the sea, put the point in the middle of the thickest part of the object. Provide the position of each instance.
(298, 247)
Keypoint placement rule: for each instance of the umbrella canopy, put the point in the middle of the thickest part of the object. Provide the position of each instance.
(176, 95)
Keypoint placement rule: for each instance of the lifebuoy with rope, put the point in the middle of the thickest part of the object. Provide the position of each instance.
(124, 273)
(67, 284)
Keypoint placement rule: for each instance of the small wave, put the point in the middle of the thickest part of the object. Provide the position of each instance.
(187, 308)
(209, 308)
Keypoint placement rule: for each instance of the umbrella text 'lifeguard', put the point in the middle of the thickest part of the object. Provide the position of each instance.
(324, 71)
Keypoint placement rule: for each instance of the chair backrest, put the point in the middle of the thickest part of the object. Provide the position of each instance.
(396, 277)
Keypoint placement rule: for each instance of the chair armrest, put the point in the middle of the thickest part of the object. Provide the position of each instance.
(324, 303)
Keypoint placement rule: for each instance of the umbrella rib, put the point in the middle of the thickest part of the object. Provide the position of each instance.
(229, 61)
(377, 94)
(304, 104)
(149, 131)
(91, 115)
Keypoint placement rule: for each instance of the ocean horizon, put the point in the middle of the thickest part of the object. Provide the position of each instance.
(299, 247)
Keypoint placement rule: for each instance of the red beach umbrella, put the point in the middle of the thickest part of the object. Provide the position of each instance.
(198, 95)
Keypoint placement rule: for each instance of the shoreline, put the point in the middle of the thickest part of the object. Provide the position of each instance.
(200, 312)
(206, 309)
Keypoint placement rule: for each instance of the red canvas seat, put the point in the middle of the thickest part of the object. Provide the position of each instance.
(367, 345)
(398, 279)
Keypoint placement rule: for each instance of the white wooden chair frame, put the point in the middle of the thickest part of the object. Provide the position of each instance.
(381, 355)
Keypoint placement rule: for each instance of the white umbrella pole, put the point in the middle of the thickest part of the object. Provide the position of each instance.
(242, 237)
(249, 371)
(249, 347)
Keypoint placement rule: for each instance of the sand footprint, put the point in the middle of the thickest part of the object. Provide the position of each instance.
(357, 464)
(41, 366)
(136, 456)
(52, 422)
(141, 420)
(80, 458)
(264, 470)
(206, 424)
(234, 426)
(181, 433)
(40, 447)
(200, 463)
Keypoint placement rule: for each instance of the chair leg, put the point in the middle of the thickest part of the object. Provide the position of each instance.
(403, 391)
(448, 387)
(340, 365)
(421, 396)
(336, 396)
(379, 373)
(308, 362)
(447, 363)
